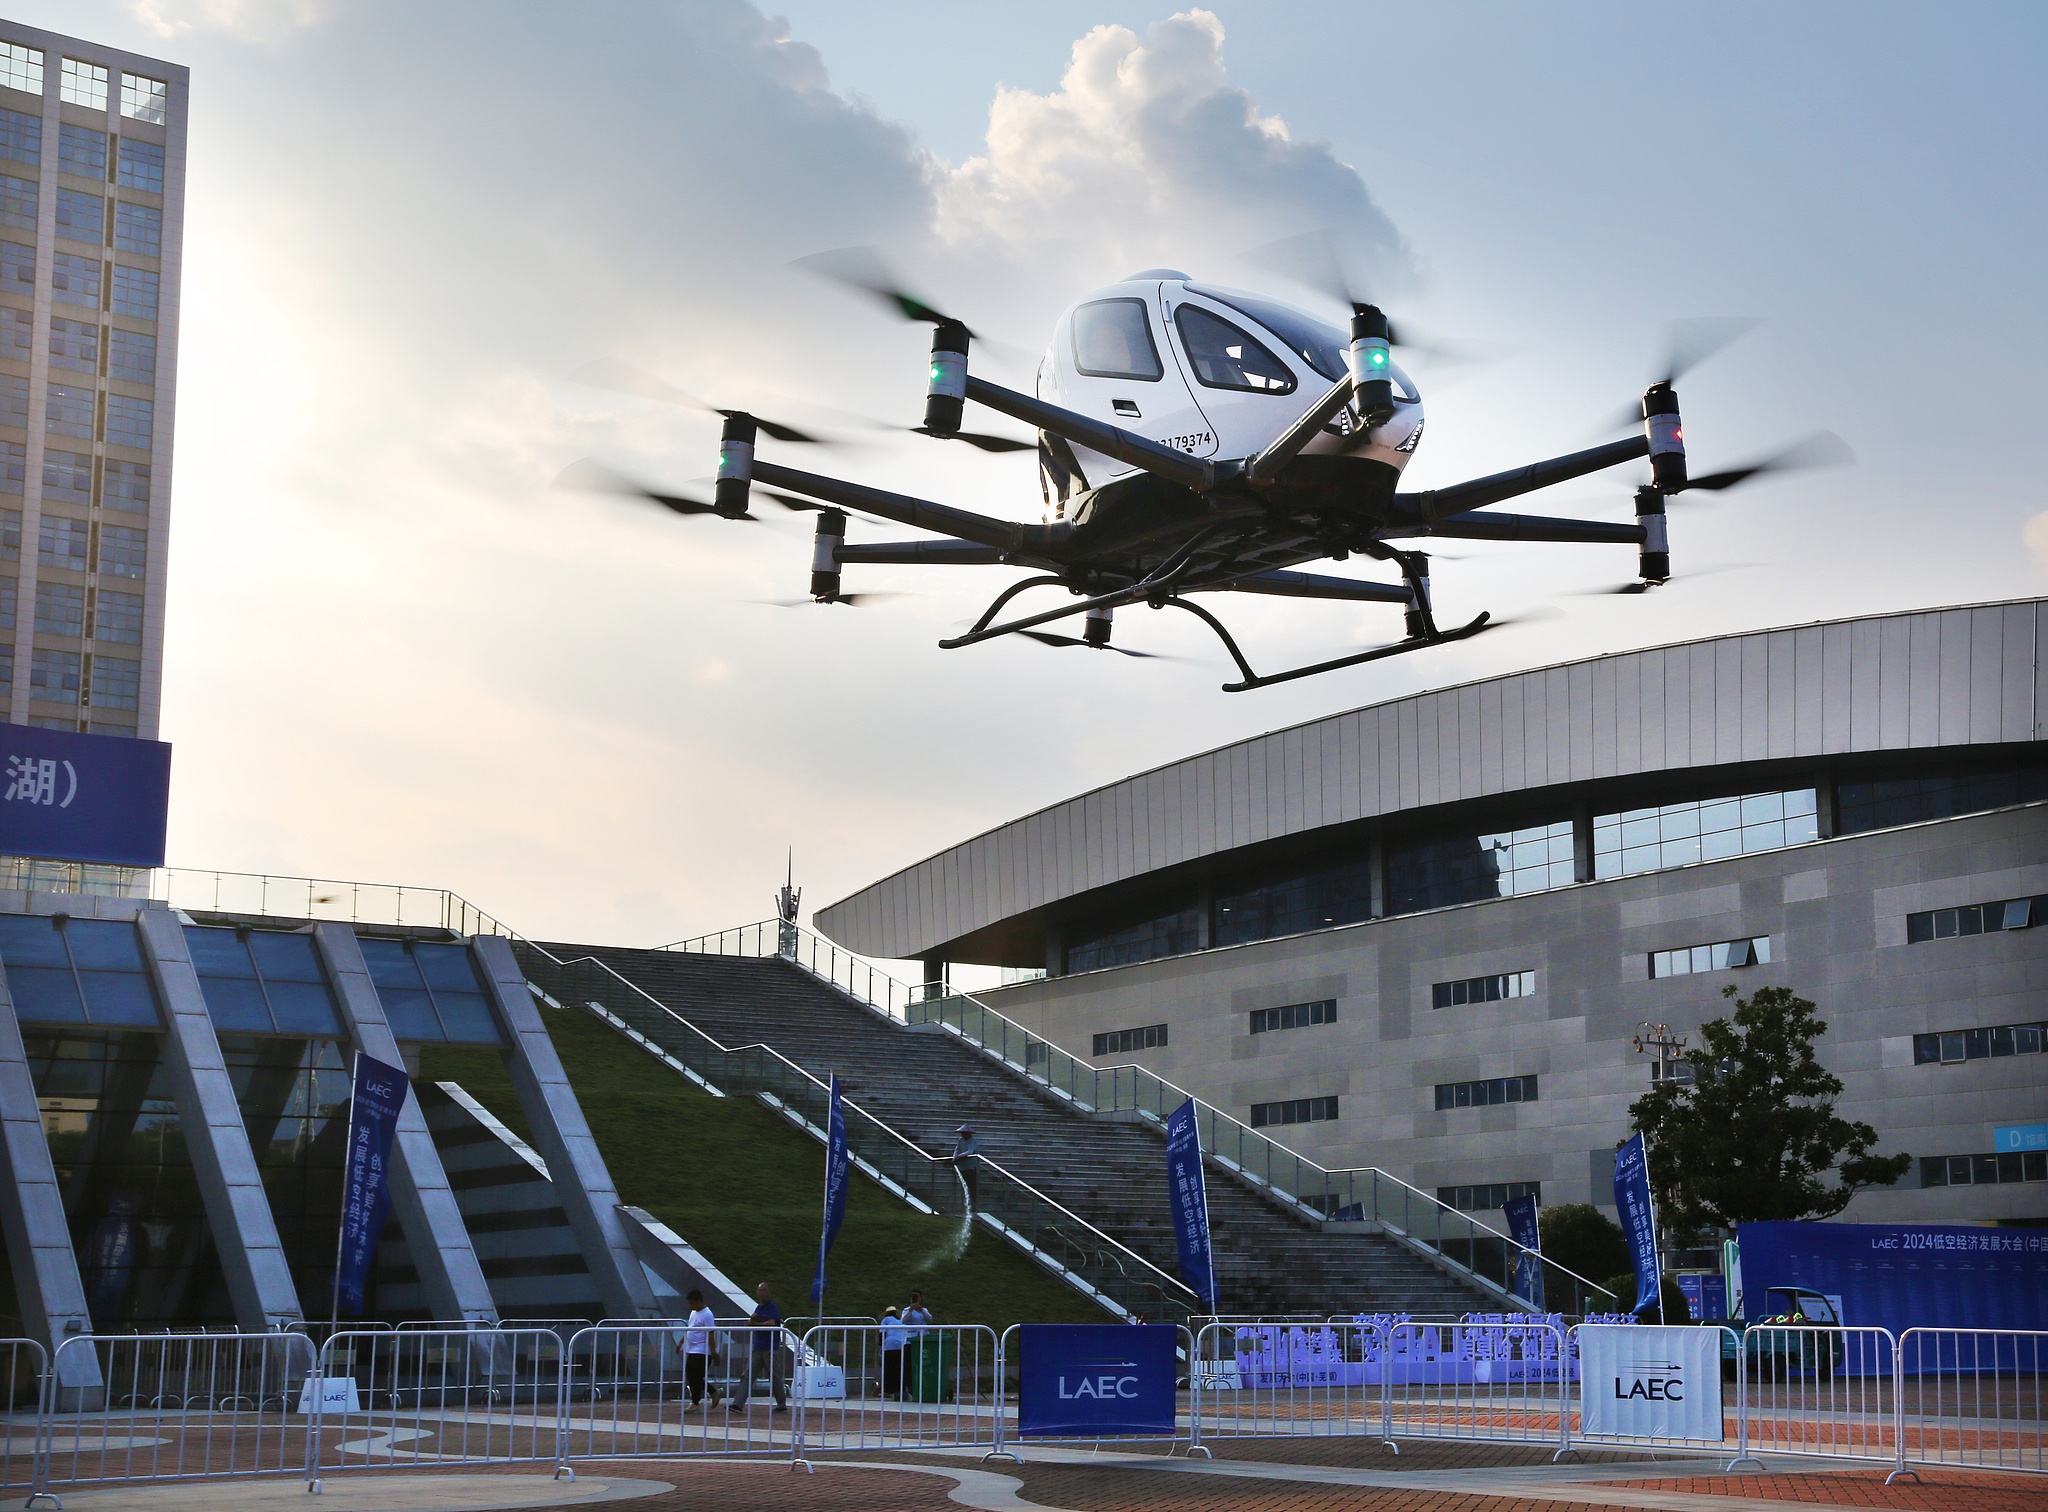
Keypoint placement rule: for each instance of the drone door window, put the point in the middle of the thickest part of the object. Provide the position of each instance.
(1113, 339)
(1225, 357)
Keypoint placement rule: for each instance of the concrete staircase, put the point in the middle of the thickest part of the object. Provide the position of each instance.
(924, 1082)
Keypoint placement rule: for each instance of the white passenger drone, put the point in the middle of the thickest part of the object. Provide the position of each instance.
(1197, 439)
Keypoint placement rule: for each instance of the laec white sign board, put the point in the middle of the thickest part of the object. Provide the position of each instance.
(1643, 1382)
(820, 1382)
(337, 1394)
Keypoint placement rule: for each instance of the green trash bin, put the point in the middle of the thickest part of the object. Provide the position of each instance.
(928, 1368)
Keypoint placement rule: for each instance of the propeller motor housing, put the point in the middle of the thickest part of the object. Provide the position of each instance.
(1654, 563)
(735, 464)
(825, 553)
(1372, 365)
(945, 401)
(1666, 435)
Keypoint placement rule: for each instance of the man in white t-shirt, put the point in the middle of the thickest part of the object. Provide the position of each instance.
(697, 1347)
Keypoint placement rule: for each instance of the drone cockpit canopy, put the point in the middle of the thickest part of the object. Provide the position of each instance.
(1209, 370)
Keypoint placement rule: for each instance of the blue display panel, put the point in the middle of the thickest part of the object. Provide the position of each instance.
(1901, 1276)
(92, 798)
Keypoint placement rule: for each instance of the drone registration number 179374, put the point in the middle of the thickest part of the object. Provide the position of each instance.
(1191, 443)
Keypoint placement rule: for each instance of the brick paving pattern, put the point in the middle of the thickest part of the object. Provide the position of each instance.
(1940, 1490)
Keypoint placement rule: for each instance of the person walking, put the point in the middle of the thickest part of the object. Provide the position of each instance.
(767, 1352)
(966, 1158)
(893, 1336)
(697, 1348)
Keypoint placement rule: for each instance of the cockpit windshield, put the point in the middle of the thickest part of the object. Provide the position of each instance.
(1321, 346)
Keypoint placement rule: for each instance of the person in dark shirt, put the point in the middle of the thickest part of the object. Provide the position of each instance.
(768, 1354)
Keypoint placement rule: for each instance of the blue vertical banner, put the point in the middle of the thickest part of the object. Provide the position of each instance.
(837, 1169)
(373, 1107)
(1638, 1218)
(1190, 1203)
(1525, 1231)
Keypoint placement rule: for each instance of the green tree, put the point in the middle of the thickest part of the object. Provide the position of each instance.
(1753, 1136)
(1584, 1240)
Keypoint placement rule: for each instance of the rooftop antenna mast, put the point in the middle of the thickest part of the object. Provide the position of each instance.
(786, 899)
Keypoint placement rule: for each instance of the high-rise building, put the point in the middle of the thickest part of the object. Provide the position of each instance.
(92, 185)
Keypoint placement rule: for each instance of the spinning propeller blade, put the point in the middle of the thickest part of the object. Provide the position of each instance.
(1047, 638)
(1641, 585)
(594, 477)
(1821, 449)
(863, 268)
(623, 377)
(851, 600)
(1688, 343)
(975, 439)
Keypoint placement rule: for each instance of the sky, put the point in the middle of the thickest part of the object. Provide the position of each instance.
(397, 653)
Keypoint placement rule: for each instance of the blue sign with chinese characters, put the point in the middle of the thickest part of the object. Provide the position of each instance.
(1525, 1231)
(1089, 1380)
(94, 798)
(1190, 1196)
(374, 1104)
(1638, 1218)
(2015, 1139)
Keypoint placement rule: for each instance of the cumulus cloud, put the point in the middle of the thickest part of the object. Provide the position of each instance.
(1147, 153)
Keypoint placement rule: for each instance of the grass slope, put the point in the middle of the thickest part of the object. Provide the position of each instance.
(744, 1186)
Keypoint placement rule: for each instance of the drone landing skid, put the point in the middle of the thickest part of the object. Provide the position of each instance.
(1378, 653)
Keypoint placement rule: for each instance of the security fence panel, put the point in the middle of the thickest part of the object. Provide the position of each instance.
(177, 1406)
(1275, 1380)
(1491, 1376)
(1973, 1396)
(1658, 1387)
(452, 1397)
(1096, 1383)
(664, 1391)
(1820, 1390)
(29, 1387)
(939, 1386)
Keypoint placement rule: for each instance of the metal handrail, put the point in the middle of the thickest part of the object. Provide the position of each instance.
(1370, 1192)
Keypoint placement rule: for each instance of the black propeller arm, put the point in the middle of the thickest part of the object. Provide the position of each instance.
(1315, 585)
(1520, 527)
(922, 514)
(1437, 503)
(921, 553)
(1167, 462)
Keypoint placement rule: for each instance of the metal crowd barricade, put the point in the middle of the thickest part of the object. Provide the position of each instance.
(648, 1398)
(1973, 1396)
(1493, 1380)
(1733, 1420)
(1820, 1391)
(29, 1395)
(1277, 1380)
(1007, 1409)
(942, 1389)
(177, 1406)
(453, 1397)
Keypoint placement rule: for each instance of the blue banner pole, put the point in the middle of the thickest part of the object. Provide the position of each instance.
(1525, 1229)
(836, 1172)
(1638, 1213)
(376, 1096)
(1190, 1196)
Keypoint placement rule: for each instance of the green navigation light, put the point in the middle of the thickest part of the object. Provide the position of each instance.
(1379, 359)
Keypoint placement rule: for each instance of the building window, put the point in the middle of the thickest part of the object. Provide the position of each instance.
(1123, 1041)
(21, 137)
(125, 486)
(96, 728)
(1677, 834)
(1486, 989)
(144, 98)
(123, 552)
(1316, 900)
(1294, 1016)
(1974, 918)
(81, 216)
(21, 67)
(1170, 934)
(75, 344)
(13, 477)
(131, 356)
(130, 421)
(1953, 1046)
(77, 971)
(82, 150)
(13, 401)
(10, 535)
(1915, 800)
(7, 668)
(1677, 1072)
(1225, 357)
(1467, 868)
(1492, 1194)
(61, 542)
(67, 411)
(135, 292)
(141, 166)
(17, 268)
(430, 992)
(1482, 1094)
(60, 609)
(1983, 1170)
(84, 84)
(75, 280)
(10, 600)
(138, 228)
(116, 682)
(67, 479)
(262, 981)
(1720, 956)
(118, 618)
(45, 722)
(18, 200)
(1300, 1110)
(17, 334)
(53, 676)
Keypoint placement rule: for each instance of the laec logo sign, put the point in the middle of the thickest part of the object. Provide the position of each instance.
(1651, 1382)
(1096, 1380)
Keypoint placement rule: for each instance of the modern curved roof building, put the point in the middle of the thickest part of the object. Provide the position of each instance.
(1423, 934)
